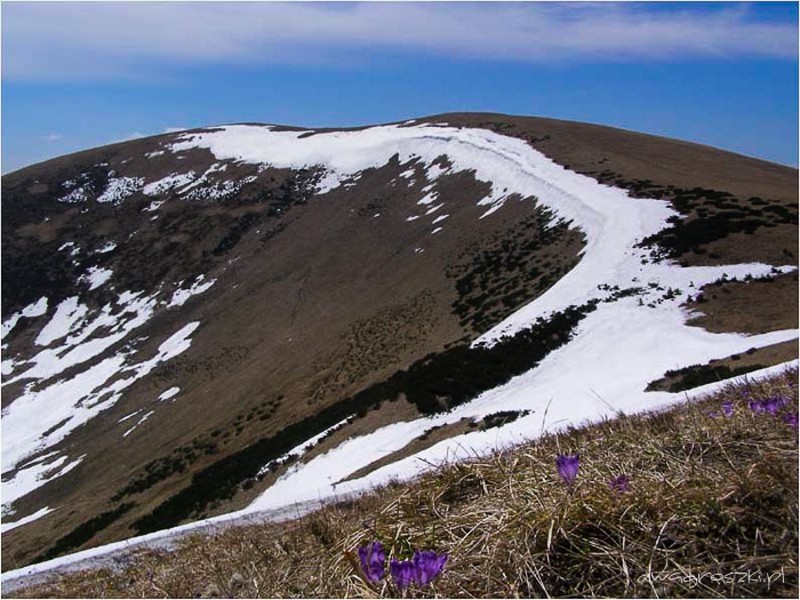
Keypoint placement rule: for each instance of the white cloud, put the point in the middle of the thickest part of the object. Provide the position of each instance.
(52, 137)
(109, 39)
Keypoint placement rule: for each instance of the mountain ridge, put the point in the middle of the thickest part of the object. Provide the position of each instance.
(429, 118)
(301, 303)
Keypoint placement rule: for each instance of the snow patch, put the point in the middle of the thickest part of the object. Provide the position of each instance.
(49, 409)
(329, 181)
(429, 198)
(33, 476)
(119, 188)
(170, 393)
(435, 171)
(73, 248)
(300, 450)
(96, 276)
(142, 420)
(6, 526)
(219, 190)
(67, 315)
(7, 366)
(165, 184)
(180, 296)
(153, 206)
(37, 309)
(42, 417)
(215, 168)
(131, 415)
(433, 209)
(77, 195)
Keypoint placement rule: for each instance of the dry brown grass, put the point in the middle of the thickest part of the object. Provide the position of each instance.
(712, 507)
(737, 364)
(729, 305)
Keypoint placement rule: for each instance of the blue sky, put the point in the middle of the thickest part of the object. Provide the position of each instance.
(78, 75)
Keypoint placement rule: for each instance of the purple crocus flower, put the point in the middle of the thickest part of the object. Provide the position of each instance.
(727, 408)
(772, 404)
(427, 566)
(568, 467)
(402, 573)
(620, 483)
(756, 406)
(790, 419)
(372, 559)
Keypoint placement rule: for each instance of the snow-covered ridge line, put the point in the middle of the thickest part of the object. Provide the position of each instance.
(344, 154)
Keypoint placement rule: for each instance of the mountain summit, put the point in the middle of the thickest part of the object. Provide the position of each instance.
(251, 316)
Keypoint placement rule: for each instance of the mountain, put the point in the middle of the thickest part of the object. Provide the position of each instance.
(252, 315)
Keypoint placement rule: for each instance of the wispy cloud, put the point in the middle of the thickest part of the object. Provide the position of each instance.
(52, 137)
(43, 41)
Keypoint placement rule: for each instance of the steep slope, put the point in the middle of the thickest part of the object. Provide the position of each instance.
(183, 314)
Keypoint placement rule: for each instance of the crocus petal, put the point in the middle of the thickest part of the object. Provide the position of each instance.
(427, 566)
(568, 467)
(620, 483)
(372, 559)
(402, 573)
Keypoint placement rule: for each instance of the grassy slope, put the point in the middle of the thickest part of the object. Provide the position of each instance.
(712, 508)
